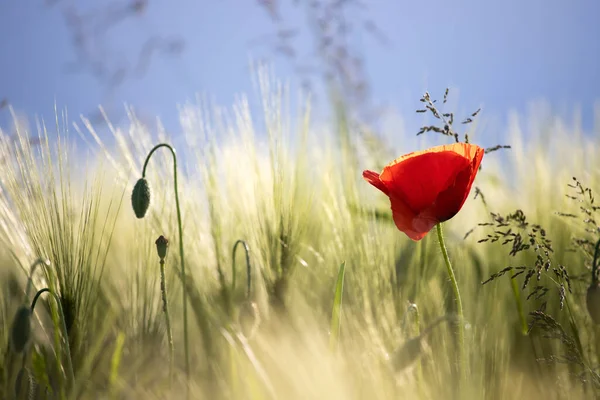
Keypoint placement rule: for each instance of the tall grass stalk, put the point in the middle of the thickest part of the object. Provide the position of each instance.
(336, 310)
(50, 210)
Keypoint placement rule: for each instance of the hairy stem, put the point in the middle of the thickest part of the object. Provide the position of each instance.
(459, 307)
(181, 253)
(163, 291)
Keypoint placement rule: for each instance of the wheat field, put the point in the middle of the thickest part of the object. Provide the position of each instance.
(339, 302)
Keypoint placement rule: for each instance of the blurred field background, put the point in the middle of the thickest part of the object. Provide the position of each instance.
(281, 169)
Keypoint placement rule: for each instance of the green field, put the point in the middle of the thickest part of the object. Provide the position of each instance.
(295, 195)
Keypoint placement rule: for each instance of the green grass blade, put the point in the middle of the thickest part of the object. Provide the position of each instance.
(336, 312)
(116, 362)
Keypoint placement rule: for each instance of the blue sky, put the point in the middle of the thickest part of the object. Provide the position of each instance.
(501, 55)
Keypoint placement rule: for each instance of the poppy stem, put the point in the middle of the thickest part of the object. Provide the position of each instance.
(459, 307)
(163, 291)
(181, 255)
(248, 268)
(67, 346)
(40, 261)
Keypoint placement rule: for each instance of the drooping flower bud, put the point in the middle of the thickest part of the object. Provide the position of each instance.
(593, 301)
(407, 354)
(140, 197)
(162, 247)
(21, 329)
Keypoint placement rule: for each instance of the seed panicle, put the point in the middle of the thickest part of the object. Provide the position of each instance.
(522, 236)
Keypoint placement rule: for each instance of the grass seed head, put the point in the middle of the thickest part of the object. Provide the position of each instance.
(140, 197)
(21, 329)
(162, 247)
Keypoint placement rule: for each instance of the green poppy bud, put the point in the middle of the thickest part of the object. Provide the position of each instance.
(21, 329)
(140, 197)
(162, 247)
(407, 354)
(593, 301)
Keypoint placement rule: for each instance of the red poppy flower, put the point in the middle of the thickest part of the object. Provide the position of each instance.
(427, 187)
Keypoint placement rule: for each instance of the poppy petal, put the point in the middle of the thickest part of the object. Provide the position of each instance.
(466, 150)
(404, 219)
(450, 201)
(428, 187)
(373, 179)
(419, 180)
(425, 221)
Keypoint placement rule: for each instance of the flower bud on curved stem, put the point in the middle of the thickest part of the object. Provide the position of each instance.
(249, 315)
(20, 332)
(140, 197)
(64, 327)
(248, 267)
(181, 252)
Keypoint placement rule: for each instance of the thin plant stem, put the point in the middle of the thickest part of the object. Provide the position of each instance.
(517, 297)
(64, 327)
(233, 370)
(18, 381)
(181, 253)
(163, 291)
(519, 304)
(336, 311)
(248, 267)
(40, 261)
(459, 307)
(420, 381)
